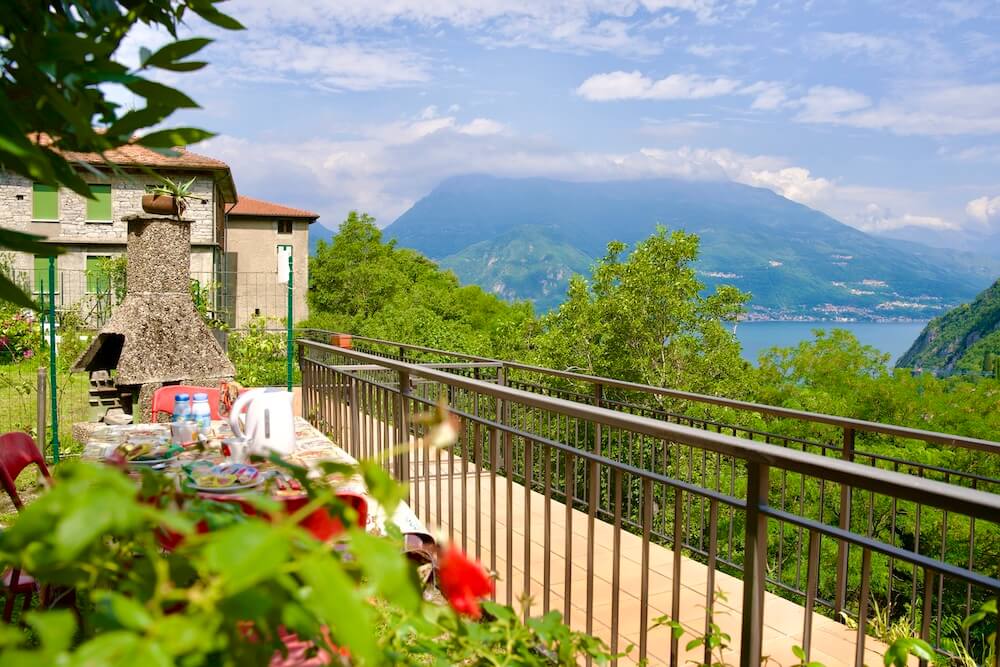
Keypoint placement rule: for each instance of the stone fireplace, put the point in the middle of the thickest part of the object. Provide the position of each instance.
(155, 337)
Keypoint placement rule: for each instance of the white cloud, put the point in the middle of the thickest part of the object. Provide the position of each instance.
(825, 104)
(323, 64)
(856, 44)
(984, 210)
(633, 85)
(768, 95)
(929, 109)
(481, 127)
(704, 50)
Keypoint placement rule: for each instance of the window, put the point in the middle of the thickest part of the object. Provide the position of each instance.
(40, 285)
(44, 202)
(284, 226)
(98, 280)
(284, 254)
(99, 209)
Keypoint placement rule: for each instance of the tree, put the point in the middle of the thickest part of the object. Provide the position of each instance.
(643, 318)
(360, 284)
(57, 58)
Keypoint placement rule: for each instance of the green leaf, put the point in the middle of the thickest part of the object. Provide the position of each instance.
(694, 643)
(121, 648)
(799, 652)
(13, 294)
(387, 569)
(30, 243)
(246, 554)
(206, 11)
(55, 628)
(332, 596)
(175, 51)
(124, 612)
(161, 95)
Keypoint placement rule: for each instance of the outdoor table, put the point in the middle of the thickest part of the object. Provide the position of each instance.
(311, 448)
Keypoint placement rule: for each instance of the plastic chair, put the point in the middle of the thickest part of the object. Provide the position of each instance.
(17, 452)
(163, 399)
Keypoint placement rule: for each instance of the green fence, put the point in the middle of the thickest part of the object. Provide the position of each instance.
(253, 311)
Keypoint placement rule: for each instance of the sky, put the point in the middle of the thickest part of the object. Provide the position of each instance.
(885, 115)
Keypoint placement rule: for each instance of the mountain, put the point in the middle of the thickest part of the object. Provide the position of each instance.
(523, 238)
(319, 232)
(961, 338)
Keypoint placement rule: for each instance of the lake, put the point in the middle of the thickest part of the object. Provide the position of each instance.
(893, 338)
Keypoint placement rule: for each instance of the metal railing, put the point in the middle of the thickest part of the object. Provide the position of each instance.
(923, 550)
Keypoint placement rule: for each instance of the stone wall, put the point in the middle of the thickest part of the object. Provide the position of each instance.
(126, 200)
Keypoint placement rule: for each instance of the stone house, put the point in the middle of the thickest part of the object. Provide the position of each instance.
(91, 230)
(260, 237)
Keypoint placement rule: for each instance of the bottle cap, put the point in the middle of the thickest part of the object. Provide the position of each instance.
(182, 397)
(201, 397)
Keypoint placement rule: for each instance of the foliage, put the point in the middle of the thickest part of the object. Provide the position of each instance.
(234, 585)
(643, 318)
(258, 354)
(960, 339)
(20, 335)
(361, 285)
(178, 190)
(201, 296)
(59, 59)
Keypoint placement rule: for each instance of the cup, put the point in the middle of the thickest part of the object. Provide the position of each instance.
(182, 433)
(236, 450)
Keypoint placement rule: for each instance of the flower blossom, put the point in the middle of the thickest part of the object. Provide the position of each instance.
(463, 581)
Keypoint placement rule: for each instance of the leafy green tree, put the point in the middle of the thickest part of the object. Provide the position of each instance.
(643, 317)
(57, 58)
(363, 285)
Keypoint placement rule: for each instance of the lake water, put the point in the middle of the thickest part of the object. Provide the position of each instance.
(893, 337)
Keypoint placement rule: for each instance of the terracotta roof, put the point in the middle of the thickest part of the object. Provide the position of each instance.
(258, 208)
(134, 154)
(139, 156)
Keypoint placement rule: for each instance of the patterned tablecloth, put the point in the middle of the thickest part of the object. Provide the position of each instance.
(311, 447)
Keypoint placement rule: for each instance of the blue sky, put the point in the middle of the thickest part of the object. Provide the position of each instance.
(884, 114)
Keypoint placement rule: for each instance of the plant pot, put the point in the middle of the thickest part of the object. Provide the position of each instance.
(163, 205)
(341, 340)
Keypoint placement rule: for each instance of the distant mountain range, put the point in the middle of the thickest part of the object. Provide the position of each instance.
(524, 238)
(961, 338)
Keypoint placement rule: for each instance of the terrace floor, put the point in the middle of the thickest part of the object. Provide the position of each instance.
(832, 643)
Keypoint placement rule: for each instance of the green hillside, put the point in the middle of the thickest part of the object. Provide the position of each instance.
(523, 263)
(521, 238)
(961, 338)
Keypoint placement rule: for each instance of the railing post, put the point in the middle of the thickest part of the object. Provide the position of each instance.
(52, 360)
(402, 427)
(840, 597)
(41, 385)
(754, 564)
(355, 417)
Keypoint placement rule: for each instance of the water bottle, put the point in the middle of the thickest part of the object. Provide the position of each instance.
(182, 408)
(201, 413)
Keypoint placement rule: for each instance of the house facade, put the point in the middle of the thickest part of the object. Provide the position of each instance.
(91, 230)
(261, 236)
(238, 245)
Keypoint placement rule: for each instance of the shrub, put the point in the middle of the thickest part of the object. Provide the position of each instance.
(20, 337)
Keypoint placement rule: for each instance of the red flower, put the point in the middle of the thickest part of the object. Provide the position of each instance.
(463, 581)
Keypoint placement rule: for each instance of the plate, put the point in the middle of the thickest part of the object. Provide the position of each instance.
(238, 471)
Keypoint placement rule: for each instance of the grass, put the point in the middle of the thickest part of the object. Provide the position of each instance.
(19, 402)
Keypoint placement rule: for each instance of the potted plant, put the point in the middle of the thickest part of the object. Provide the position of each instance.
(168, 198)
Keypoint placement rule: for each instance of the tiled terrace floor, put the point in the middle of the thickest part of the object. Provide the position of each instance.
(832, 643)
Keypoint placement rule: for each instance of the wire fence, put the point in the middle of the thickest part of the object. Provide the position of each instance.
(249, 312)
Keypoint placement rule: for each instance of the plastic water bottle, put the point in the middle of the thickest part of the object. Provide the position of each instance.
(201, 413)
(182, 408)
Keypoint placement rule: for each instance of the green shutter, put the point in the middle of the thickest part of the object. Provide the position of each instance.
(98, 280)
(100, 208)
(44, 202)
(41, 281)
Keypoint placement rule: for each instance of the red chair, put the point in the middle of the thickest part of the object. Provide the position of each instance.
(163, 399)
(17, 452)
